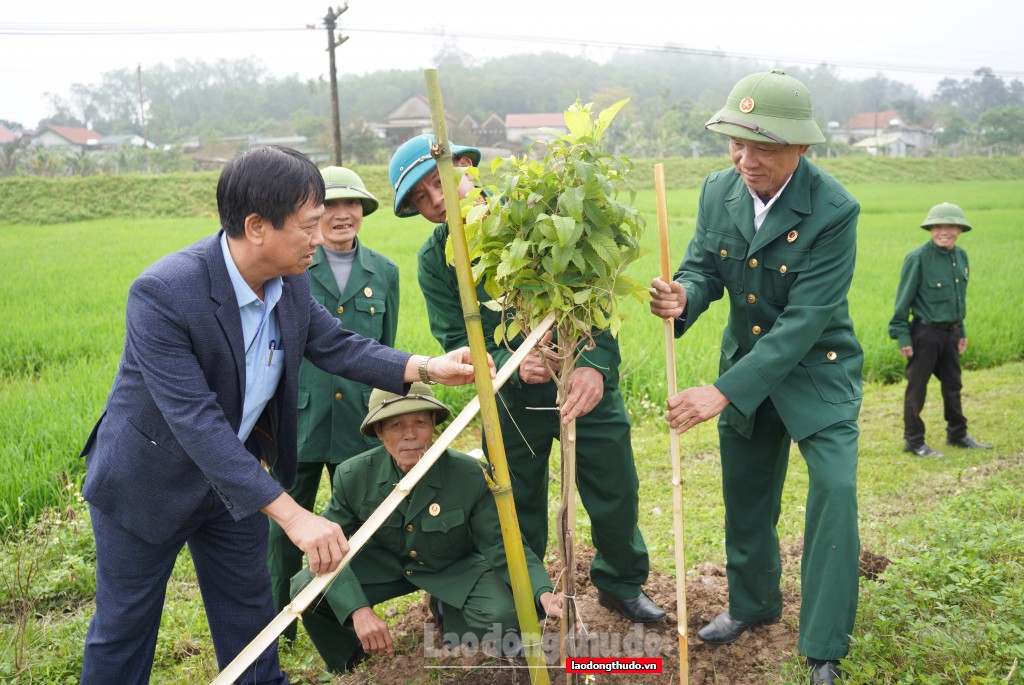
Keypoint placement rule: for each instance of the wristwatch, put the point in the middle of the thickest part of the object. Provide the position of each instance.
(424, 376)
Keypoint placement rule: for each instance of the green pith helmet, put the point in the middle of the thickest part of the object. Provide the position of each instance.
(343, 184)
(768, 107)
(385, 405)
(946, 214)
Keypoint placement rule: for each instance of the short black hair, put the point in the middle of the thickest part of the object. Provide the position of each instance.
(272, 181)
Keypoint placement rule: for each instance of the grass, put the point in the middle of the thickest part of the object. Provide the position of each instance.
(63, 296)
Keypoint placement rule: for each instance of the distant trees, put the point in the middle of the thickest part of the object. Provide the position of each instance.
(671, 96)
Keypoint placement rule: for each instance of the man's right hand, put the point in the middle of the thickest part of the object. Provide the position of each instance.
(668, 300)
(533, 370)
(372, 632)
(322, 541)
(907, 351)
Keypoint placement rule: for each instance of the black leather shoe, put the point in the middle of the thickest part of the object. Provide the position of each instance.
(923, 450)
(639, 609)
(825, 672)
(724, 628)
(969, 442)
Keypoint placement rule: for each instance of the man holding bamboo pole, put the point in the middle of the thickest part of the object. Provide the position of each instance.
(444, 538)
(204, 405)
(529, 417)
(779, 236)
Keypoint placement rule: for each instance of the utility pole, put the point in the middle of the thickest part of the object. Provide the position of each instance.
(142, 120)
(330, 22)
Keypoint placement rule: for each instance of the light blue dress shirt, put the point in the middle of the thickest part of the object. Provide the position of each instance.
(264, 356)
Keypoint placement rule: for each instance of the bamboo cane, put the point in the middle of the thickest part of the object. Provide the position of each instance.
(522, 591)
(302, 600)
(677, 481)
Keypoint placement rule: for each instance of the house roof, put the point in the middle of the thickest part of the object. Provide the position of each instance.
(870, 120)
(78, 136)
(7, 135)
(883, 140)
(548, 119)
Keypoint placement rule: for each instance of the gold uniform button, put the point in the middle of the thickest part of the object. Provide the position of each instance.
(409, 528)
(782, 269)
(408, 573)
(341, 309)
(751, 298)
(752, 263)
(831, 356)
(756, 330)
(338, 395)
(373, 310)
(413, 554)
(724, 253)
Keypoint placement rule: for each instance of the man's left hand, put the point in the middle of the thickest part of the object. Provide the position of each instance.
(554, 604)
(455, 368)
(961, 345)
(694, 405)
(586, 388)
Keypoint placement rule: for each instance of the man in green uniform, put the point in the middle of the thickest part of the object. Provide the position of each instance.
(444, 538)
(777, 235)
(933, 288)
(360, 288)
(608, 483)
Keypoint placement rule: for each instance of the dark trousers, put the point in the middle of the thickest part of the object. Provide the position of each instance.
(606, 478)
(488, 612)
(753, 476)
(283, 558)
(131, 582)
(935, 353)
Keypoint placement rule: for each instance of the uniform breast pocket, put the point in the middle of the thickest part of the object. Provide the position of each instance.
(728, 251)
(938, 291)
(371, 317)
(442, 533)
(781, 268)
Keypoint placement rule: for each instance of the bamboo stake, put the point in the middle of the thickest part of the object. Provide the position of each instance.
(522, 591)
(269, 635)
(677, 481)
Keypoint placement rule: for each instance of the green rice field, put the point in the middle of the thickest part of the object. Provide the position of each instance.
(63, 290)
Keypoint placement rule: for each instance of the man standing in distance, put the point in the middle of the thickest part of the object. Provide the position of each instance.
(933, 287)
(359, 287)
(779, 235)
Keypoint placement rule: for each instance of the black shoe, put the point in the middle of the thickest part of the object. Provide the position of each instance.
(825, 672)
(724, 628)
(968, 441)
(923, 450)
(639, 609)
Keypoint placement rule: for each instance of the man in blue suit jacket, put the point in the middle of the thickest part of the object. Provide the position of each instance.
(204, 401)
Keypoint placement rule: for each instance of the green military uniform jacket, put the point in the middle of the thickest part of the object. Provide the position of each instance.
(789, 336)
(933, 287)
(440, 285)
(331, 407)
(441, 539)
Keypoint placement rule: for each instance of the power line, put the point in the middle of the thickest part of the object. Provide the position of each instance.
(62, 30)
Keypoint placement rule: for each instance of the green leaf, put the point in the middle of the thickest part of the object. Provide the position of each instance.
(565, 228)
(571, 202)
(578, 121)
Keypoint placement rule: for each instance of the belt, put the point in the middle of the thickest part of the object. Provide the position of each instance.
(944, 326)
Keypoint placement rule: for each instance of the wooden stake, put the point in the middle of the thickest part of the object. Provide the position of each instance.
(269, 635)
(677, 481)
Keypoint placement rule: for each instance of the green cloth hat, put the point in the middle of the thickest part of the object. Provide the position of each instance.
(385, 405)
(768, 107)
(946, 214)
(345, 184)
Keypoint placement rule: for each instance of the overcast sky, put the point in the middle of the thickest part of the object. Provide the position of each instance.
(47, 45)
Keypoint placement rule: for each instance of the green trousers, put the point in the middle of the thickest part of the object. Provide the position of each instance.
(488, 613)
(753, 475)
(606, 480)
(283, 558)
